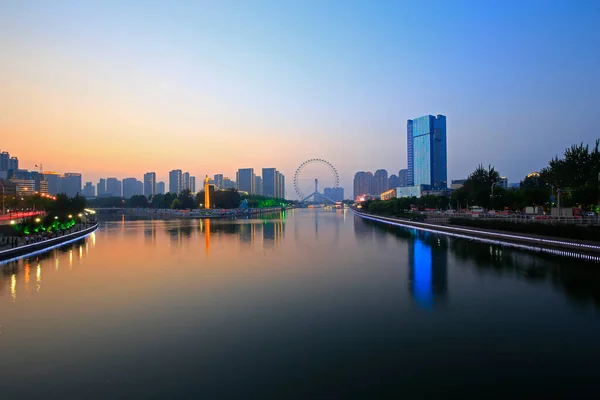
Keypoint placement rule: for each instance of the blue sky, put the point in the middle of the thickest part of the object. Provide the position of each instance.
(212, 86)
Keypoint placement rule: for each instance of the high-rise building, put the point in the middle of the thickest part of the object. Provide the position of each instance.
(13, 163)
(193, 184)
(175, 181)
(53, 180)
(19, 173)
(24, 187)
(160, 188)
(132, 187)
(269, 185)
(185, 181)
(113, 187)
(403, 177)
(70, 184)
(380, 181)
(219, 181)
(228, 183)
(41, 184)
(89, 190)
(245, 180)
(281, 186)
(393, 181)
(149, 184)
(258, 185)
(426, 138)
(363, 183)
(4, 160)
(335, 194)
(101, 187)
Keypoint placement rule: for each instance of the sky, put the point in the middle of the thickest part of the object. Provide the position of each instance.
(120, 88)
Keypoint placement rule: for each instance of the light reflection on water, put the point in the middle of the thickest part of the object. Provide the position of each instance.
(323, 303)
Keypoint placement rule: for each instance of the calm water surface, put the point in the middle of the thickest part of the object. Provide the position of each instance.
(309, 303)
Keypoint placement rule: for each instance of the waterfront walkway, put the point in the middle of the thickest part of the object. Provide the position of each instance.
(13, 246)
(559, 246)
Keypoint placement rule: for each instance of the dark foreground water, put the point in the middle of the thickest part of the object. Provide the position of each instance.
(311, 304)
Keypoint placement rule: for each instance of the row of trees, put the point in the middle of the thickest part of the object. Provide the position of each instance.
(575, 175)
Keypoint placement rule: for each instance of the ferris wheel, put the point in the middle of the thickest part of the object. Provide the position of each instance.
(308, 176)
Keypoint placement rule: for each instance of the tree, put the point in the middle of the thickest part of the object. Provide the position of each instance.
(479, 185)
(578, 171)
(532, 181)
(176, 204)
(186, 200)
(139, 200)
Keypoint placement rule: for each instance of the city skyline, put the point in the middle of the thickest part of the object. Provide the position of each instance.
(76, 72)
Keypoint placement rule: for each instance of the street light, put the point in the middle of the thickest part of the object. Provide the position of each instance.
(492, 195)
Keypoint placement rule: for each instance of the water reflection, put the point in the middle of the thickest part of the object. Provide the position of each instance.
(18, 272)
(577, 279)
(267, 232)
(428, 270)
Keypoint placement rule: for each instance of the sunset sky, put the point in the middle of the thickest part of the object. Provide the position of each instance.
(119, 88)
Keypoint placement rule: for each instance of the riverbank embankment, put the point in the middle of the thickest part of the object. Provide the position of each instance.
(566, 247)
(22, 248)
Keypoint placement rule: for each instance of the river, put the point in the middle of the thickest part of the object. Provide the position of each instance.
(305, 303)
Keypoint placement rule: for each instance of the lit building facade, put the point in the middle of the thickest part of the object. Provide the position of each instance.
(426, 144)
(24, 187)
(409, 191)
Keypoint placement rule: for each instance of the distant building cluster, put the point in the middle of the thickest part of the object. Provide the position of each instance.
(17, 181)
(270, 184)
(426, 159)
(23, 182)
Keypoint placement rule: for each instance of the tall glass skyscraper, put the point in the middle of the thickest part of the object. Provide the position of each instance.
(426, 143)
